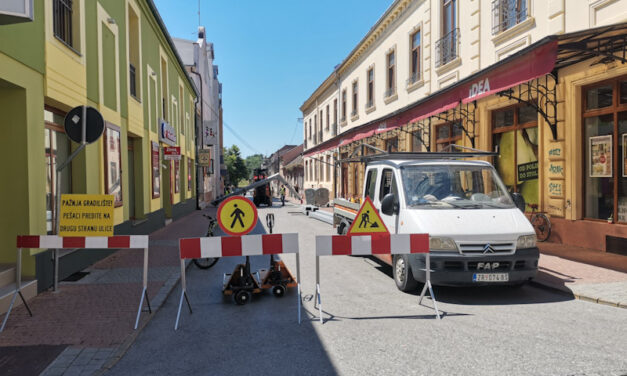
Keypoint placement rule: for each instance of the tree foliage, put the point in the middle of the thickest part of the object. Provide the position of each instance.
(252, 162)
(235, 165)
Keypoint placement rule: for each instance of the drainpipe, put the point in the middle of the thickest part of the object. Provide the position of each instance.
(337, 132)
(199, 177)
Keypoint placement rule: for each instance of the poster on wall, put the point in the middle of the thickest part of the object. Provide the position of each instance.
(601, 156)
(156, 178)
(625, 155)
(113, 157)
(177, 176)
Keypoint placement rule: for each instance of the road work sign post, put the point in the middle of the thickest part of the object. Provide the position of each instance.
(96, 242)
(378, 244)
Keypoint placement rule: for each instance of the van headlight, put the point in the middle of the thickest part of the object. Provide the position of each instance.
(526, 241)
(442, 244)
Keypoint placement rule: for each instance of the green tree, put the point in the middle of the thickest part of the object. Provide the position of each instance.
(252, 162)
(235, 165)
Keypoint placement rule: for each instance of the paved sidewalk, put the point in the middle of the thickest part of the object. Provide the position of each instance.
(92, 319)
(587, 274)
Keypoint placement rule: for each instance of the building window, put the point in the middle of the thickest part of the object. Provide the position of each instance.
(343, 117)
(181, 110)
(328, 168)
(391, 75)
(515, 136)
(156, 172)
(448, 46)
(315, 130)
(57, 149)
(113, 163)
(355, 87)
(328, 124)
(133, 53)
(447, 134)
(335, 111)
(310, 129)
(414, 69)
(507, 13)
(391, 144)
(64, 22)
(605, 157)
(370, 97)
(164, 90)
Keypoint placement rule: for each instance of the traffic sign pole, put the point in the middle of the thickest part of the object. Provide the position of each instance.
(98, 123)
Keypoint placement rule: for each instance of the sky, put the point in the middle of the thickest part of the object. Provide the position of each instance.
(272, 55)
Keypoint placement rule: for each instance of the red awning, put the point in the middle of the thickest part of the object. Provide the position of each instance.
(526, 65)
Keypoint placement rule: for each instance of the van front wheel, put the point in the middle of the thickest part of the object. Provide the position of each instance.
(403, 276)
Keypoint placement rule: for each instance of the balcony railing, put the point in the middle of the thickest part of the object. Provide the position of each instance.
(447, 48)
(507, 13)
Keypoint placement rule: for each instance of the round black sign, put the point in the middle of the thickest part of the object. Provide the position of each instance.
(74, 125)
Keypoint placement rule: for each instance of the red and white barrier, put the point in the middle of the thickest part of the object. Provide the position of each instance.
(377, 244)
(228, 246)
(82, 242)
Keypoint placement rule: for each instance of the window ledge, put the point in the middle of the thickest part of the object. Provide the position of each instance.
(371, 109)
(391, 98)
(517, 29)
(343, 123)
(449, 66)
(415, 85)
(68, 46)
(355, 117)
(136, 99)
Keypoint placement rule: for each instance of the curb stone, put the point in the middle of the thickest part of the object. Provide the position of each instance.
(578, 296)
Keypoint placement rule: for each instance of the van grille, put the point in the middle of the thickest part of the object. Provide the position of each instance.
(480, 248)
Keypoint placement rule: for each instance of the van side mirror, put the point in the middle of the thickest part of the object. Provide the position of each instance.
(519, 201)
(389, 205)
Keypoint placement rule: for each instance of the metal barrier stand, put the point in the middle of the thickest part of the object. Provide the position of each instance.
(183, 294)
(18, 290)
(428, 285)
(144, 290)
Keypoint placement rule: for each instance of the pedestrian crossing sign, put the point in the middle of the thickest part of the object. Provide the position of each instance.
(237, 216)
(367, 221)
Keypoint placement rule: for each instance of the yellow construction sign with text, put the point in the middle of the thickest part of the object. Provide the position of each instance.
(86, 215)
(367, 221)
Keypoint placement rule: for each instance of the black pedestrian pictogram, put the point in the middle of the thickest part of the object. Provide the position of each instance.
(365, 219)
(238, 213)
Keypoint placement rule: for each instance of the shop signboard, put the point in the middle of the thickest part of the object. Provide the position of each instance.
(204, 158)
(172, 153)
(86, 215)
(210, 132)
(528, 171)
(167, 134)
(601, 156)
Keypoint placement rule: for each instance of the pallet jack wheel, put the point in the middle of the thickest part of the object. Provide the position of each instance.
(242, 297)
(279, 291)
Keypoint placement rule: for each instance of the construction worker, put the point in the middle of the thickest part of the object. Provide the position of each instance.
(282, 192)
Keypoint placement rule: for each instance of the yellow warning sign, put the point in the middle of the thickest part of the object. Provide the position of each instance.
(86, 215)
(237, 215)
(367, 221)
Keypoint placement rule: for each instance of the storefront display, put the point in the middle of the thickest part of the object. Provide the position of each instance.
(600, 156)
(156, 174)
(113, 163)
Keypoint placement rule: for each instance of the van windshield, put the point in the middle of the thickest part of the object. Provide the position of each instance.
(454, 187)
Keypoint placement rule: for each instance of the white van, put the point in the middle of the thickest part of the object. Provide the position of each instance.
(478, 235)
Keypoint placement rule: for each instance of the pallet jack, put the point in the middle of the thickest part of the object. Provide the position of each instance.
(241, 284)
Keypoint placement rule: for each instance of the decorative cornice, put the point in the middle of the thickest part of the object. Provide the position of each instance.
(391, 14)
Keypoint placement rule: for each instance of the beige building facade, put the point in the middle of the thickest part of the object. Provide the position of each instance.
(543, 83)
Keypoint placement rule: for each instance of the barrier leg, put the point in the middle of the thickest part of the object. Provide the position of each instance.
(319, 302)
(183, 295)
(6, 317)
(435, 304)
(429, 286)
(178, 314)
(139, 310)
(298, 279)
(422, 294)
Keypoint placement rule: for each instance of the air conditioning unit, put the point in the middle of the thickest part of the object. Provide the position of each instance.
(15, 11)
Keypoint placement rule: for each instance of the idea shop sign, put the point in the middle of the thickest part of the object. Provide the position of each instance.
(172, 153)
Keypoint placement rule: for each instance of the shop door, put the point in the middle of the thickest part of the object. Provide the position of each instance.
(131, 179)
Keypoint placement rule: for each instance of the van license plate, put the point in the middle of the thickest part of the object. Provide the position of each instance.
(490, 277)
